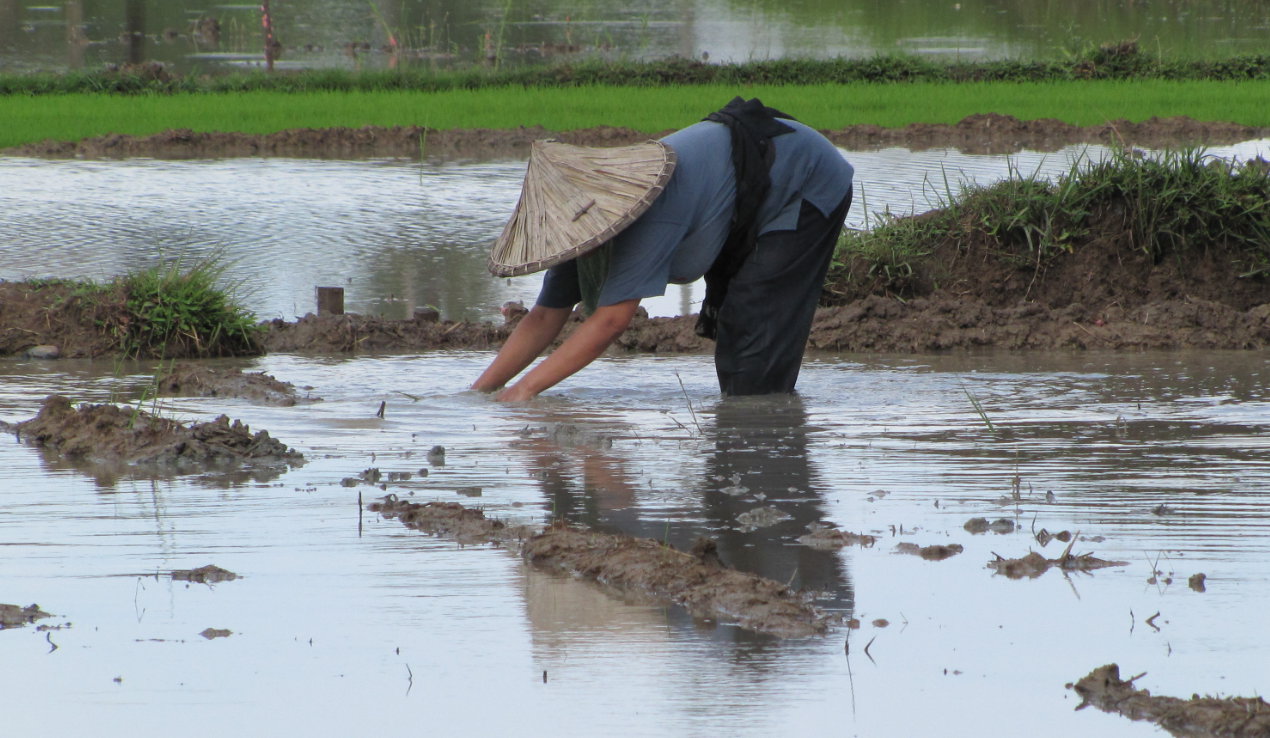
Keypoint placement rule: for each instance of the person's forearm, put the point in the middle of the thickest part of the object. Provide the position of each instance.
(536, 330)
(586, 343)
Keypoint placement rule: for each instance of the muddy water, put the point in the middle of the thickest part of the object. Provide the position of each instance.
(343, 623)
(395, 234)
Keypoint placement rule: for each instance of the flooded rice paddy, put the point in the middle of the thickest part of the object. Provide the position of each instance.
(346, 623)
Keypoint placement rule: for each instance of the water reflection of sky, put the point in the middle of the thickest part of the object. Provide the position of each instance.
(395, 234)
(430, 33)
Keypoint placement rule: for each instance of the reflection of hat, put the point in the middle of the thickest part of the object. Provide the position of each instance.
(576, 198)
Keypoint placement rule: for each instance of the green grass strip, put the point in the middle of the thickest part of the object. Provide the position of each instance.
(32, 118)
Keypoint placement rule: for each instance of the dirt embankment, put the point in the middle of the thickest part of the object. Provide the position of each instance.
(1106, 294)
(980, 134)
(696, 581)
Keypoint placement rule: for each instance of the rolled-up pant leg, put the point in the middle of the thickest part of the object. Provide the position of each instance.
(766, 317)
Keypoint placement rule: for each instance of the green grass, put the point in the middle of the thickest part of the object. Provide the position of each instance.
(72, 117)
(178, 311)
(1172, 203)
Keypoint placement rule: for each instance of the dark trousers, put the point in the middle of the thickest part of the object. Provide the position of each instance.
(766, 317)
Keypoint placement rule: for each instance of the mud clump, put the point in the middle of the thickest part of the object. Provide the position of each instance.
(705, 589)
(192, 380)
(1198, 717)
(108, 434)
(450, 520)
(13, 616)
(210, 574)
(828, 538)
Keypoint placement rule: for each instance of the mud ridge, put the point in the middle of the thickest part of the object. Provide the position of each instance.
(108, 434)
(990, 133)
(647, 568)
(194, 380)
(1198, 717)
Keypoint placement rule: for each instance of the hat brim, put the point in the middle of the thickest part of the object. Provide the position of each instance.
(576, 198)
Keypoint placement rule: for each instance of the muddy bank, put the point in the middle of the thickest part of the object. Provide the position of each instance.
(977, 134)
(696, 581)
(1198, 717)
(108, 435)
(193, 380)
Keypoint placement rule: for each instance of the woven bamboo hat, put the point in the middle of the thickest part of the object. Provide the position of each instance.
(575, 198)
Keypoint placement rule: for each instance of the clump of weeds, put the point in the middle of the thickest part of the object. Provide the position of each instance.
(1169, 204)
(176, 311)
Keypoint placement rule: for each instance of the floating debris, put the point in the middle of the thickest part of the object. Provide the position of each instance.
(12, 616)
(469, 491)
(1033, 565)
(935, 552)
(760, 517)
(825, 537)
(981, 525)
(1044, 537)
(1232, 717)
(209, 574)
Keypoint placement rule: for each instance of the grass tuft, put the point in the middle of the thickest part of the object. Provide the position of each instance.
(1164, 204)
(177, 312)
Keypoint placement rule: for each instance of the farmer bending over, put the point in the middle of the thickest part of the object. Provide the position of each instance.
(749, 198)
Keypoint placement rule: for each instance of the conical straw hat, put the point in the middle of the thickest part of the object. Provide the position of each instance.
(575, 198)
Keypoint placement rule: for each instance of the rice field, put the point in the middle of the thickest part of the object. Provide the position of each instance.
(74, 116)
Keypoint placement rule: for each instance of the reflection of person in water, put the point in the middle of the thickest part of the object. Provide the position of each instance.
(760, 448)
(760, 460)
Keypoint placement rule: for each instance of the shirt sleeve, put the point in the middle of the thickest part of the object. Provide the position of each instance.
(560, 286)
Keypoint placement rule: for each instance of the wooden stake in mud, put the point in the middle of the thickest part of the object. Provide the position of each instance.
(266, 20)
(330, 300)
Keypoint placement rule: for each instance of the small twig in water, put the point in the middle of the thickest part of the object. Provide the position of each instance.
(866, 648)
(691, 412)
(974, 401)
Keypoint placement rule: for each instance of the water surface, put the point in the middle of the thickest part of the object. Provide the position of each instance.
(397, 34)
(395, 234)
(345, 623)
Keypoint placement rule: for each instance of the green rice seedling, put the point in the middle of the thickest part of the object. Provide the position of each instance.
(334, 99)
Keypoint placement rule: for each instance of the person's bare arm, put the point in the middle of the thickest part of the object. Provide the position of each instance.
(535, 331)
(585, 344)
